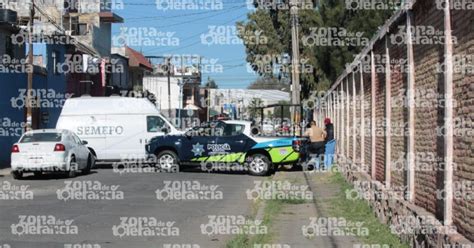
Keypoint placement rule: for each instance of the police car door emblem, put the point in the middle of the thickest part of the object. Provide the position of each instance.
(198, 149)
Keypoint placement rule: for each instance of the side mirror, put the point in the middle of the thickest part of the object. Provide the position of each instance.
(85, 142)
(189, 134)
(165, 130)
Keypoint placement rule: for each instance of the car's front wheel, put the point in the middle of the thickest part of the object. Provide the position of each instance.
(259, 165)
(167, 161)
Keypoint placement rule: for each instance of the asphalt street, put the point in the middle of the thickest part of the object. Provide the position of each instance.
(95, 219)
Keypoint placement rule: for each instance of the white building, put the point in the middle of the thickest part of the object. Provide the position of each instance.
(242, 98)
(219, 97)
(158, 85)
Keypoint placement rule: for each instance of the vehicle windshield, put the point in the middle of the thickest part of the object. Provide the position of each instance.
(41, 137)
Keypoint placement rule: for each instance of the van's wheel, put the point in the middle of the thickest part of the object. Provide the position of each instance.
(71, 173)
(87, 170)
(17, 175)
(259, 165)
(167, 161)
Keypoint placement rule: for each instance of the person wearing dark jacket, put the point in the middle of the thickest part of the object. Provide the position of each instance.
(329, 130)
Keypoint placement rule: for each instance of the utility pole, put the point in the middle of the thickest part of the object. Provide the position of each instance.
(181, 85)
(29, 93)
(169, 87)
(295, 77)
(295, 58)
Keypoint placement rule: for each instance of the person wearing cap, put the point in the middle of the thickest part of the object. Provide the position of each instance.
(329, 130)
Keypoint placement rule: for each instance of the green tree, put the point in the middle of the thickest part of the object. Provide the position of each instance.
(268, 83)
(272, 59)
(211, 83)
(254, 108)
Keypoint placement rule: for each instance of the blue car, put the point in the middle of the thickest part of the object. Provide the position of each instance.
(224, 142)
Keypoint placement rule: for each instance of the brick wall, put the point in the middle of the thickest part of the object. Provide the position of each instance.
(398, 63)
(379, 52)
(367, 119)
(429, 112)
(463, 30)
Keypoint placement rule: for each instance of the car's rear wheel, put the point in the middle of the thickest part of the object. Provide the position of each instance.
(71, 173)
(259, 165)
(167, 161)
(87, 170)
(17, 175)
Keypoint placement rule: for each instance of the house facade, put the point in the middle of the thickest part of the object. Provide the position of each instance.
(72, 50)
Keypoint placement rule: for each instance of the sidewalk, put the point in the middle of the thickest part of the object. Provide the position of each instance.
(289, 223)
(5, 172)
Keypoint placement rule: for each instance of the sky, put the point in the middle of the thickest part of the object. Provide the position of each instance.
(225, 62)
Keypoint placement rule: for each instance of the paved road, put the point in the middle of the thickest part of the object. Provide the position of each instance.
(95, 219)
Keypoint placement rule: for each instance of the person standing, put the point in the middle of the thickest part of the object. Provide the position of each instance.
(329, 130)
(317, 137)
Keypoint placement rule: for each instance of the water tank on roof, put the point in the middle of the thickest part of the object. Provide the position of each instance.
(8, 16)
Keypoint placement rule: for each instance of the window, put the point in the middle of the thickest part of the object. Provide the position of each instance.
(76, 139)
(78, 28)
(233, 129)
(82, 29)
(41, 137)
(154, 124)
(74, 25)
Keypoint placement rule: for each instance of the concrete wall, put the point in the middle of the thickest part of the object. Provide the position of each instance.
(159, 87)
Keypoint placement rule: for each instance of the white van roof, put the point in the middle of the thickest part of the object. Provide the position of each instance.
(88, 105)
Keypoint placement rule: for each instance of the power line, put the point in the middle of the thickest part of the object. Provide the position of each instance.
(137, 19)
(197, 19)
(192, 36)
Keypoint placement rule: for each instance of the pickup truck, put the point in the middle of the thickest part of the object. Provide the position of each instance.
(229, 142)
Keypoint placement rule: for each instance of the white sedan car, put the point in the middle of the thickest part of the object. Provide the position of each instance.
(50, 150)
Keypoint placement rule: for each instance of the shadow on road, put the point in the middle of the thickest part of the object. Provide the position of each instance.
(52, 176)
(197, 169)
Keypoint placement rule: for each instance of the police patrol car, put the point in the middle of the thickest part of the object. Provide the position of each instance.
(230, 142)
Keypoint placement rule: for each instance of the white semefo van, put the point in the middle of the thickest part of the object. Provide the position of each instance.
(116, 128)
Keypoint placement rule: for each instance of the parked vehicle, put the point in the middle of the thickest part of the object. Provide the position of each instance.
(224, 142)
(50, 150)
(268, 128)
(117, 128)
